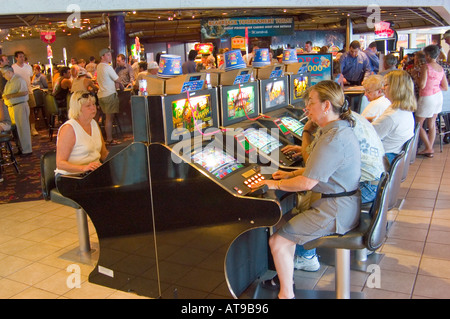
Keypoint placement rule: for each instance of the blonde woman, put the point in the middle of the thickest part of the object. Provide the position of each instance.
(337, 211)
(80, 146)
(396, 125)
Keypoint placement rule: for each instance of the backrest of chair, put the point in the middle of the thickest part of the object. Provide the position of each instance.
(412, 157)
(48, 166)
(39, 97)
(376, 234)
(395, 178)
(50, 105)
(407, 147)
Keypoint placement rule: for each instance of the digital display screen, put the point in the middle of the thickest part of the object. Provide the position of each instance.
(274, 94)
(216, 161)
(240, 101)
(193, 113)
(300, 85)
(263, 141)
(293, 125)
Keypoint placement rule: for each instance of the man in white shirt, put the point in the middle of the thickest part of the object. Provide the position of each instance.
(373, 87)
(108, 81)
(26, 72)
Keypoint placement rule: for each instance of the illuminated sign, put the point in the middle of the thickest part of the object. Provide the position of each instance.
(204, 48)
(383, 30)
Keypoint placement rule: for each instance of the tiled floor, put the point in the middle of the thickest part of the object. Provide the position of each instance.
(415, 259)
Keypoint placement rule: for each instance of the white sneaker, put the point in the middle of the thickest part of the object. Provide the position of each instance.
(306, 264)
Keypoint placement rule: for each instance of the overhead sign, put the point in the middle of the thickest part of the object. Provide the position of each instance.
(383, 30)
(48, 36)
(256, 26)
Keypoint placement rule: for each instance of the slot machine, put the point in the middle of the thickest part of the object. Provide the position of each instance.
(240, 117)
(174, 211)
(286, 114)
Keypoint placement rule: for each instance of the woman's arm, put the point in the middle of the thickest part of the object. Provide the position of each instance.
(444, 84)
(295, 184)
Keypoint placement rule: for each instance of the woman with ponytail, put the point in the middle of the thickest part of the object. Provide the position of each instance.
(331, 173)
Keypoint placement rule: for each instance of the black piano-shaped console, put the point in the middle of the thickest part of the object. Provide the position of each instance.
(167, 229)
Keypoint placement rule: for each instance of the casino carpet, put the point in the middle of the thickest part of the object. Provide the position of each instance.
(26, 186)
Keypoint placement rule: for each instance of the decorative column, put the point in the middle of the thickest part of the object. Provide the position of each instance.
(117, 36)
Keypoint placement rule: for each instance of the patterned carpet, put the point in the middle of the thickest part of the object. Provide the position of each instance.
(26, 185)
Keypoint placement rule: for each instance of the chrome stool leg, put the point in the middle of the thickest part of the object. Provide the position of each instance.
(83, 231)
(342, 273)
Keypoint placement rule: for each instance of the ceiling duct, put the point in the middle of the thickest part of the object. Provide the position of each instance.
(100, 30)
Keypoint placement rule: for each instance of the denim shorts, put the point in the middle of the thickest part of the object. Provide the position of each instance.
(368, 192)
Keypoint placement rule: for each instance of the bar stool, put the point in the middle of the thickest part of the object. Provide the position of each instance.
(6, 151)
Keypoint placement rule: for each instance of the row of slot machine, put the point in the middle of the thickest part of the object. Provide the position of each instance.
(174, 212)
(226, 138)
(241, 126)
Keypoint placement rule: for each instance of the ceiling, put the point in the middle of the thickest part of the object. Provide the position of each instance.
(184, 25)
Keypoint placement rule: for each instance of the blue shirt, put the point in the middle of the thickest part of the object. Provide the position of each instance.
(373, 59)
(355, 69)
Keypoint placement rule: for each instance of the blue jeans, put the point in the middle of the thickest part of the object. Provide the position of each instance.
(302, 252)
(368, 192)
(390, 157)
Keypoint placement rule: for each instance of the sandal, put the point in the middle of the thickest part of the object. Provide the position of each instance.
(429, 155)
(273, 283)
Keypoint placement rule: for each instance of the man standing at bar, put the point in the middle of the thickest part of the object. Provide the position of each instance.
(125, 72)
(371, 53)
(355, 65)
(15, 96)
(108, 99)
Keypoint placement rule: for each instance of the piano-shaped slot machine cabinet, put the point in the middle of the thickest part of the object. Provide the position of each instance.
(288, 117)
(174, 213)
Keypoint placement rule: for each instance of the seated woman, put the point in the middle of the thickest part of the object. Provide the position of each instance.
(337, 209)
(378, 103)
(396, 125)
(80, 146)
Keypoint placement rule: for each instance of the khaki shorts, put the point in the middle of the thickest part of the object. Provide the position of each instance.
(109, 104)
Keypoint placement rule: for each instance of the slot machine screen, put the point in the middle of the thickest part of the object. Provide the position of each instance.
(189, 113)
(293, 125)
(274, 94)
(262, 140)
(239, 103)
(216, 161)
(298, 85)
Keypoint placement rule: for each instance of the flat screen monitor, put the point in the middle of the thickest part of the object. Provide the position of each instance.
(216, 161)
(274, 94)
(298, 83)
(320, 66)
(239, 102)
(261, 140)
(189, 113)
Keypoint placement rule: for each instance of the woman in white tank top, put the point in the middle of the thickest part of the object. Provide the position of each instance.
(80, 146)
